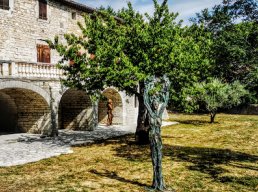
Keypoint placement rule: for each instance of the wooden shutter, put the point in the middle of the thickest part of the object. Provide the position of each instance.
(43, 54)
(4, 4)
(43, 9)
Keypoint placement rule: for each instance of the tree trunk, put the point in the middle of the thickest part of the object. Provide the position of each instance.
(213, 114)
(142, 130)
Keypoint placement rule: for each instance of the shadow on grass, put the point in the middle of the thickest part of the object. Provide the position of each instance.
(113, 175)
(204, 160)
(246, 181)
(194, 122)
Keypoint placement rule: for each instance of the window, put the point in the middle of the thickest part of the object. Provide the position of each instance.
(4, 4)
(74, 15)
(42, 9)
(43, 53)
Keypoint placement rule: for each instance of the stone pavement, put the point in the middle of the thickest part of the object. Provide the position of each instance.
(18, 149)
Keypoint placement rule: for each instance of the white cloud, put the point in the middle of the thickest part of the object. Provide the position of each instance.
(185, 8)
(188, 8)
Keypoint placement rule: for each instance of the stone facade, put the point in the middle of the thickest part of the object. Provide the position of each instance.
(32, 99)
(21, 28)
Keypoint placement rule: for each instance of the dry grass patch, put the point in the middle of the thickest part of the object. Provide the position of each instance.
(198, 156)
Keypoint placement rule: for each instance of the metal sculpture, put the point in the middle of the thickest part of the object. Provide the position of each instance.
(109, 112)
(156, 95)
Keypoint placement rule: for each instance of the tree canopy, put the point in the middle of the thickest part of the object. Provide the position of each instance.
(233, 26)
(125, 51)
(214, 95)
(124, 48)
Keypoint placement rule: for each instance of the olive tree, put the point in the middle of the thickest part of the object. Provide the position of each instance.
(213, 95)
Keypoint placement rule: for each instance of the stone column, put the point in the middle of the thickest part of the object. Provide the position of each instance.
(54, 114)
(13, 69)
(5, 69)
(94, 121)
(52, 130)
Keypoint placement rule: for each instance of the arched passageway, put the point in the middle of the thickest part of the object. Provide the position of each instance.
(23, 110)
(8, 114)
(75, 111)
(112, 94)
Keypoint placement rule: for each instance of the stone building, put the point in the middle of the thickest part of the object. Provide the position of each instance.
(32, 99)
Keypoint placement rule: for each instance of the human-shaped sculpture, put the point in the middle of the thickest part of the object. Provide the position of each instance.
(156, 95)
(109, 112)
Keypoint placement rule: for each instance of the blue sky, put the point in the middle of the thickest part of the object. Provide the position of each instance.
(185, 8)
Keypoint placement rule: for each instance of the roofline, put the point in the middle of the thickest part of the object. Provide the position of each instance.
(76, 5)
(83, 7)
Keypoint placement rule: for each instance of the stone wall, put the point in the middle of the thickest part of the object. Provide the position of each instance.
(21, 29)
(130, 111)
(75, 111)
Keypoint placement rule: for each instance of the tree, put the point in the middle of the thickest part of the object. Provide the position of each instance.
(214, 95)
(234, 28)
(251, 82)
(124, 51)
(192, 63)
(127, 49)
(227, 13)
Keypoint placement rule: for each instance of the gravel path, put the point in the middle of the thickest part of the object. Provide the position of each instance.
(18, 149)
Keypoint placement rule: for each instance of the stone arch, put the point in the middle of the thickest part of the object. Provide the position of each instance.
(60, 95)
(29, 86)
(75, 110)
(26, 110)
(111, 93)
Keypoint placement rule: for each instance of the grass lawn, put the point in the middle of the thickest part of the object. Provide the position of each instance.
(198, 156)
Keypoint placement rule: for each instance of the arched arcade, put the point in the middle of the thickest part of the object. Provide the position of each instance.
(113, 94)
(23, 110)
(75, 111)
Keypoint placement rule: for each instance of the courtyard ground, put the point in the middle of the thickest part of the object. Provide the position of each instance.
(198, 156)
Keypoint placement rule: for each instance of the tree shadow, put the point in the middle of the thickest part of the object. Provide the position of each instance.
(204, 160)
(113, 175)
(246, 167)
(246, 181)
(194, 122)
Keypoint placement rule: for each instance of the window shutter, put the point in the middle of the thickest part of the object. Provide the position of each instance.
(43, 10)
(38, 53)
(43, 54)
(46, 54)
